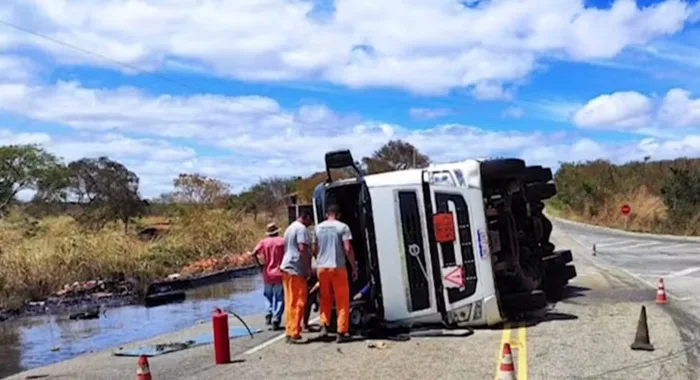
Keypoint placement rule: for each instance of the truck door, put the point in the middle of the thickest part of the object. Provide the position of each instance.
(454, 246)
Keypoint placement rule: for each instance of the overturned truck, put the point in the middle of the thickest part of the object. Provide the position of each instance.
(460, 244)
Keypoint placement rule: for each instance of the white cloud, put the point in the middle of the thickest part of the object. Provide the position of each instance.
(678, 109)
(239, 139)
(586, 149)
(363, 44)
(639, 113)
(491, 91)
(16, 69)
(428, 113)
(625, 110)
(513, 112)
(8, 137)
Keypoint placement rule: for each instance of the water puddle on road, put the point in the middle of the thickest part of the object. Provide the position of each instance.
(37, 341)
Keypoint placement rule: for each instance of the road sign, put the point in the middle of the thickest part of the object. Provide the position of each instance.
(625, 209)
(453, 277)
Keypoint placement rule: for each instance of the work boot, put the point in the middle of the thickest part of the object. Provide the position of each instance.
(295, 340)
(342, 338)
(324, 331)
(268, 319)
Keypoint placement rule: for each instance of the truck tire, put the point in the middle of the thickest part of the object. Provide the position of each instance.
(557, 279)
(540, 191)
(537, 174)
(518, 303)
(502, 168)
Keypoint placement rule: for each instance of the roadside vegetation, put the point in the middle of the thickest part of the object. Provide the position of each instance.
(87, 220)
(664, 196)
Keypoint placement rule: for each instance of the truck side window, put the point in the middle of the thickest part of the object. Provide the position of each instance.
(466, 247)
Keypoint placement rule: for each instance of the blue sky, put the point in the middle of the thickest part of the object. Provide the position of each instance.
(242, 92)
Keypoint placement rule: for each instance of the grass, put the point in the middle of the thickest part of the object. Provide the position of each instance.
(38, 258)
(649, 214)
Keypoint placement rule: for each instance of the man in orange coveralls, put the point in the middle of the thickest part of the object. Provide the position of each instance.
(296, 267)
(332, 243)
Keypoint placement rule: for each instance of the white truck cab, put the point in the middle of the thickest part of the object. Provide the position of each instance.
(427, 246)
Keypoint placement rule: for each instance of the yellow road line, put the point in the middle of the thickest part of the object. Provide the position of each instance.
(505, 338)
(522, 353)
(519, 346)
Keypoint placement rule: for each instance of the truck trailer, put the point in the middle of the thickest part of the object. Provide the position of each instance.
(461, 244)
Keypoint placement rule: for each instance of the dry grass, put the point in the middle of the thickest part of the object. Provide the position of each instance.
(39, 257)
(649, 214)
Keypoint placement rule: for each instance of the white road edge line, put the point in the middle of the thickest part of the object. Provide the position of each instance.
(272, 341)
(683, 272)
(644, 245)
(649, 284)
(616, 243)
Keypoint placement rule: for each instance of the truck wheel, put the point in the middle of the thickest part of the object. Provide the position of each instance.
(502, 168)
(537, 174)
(531, 268)
(539, 191)
(519, 303)
(557, 279)
(546, 228)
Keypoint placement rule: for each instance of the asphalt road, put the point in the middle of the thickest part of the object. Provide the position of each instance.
(647, 258)
(585, 336)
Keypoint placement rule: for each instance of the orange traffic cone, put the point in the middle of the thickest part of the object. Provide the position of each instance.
(142, 370)
(661, 292)
(507, 369)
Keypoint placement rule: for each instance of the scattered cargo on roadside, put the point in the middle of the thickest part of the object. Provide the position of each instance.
(80, 299)
(198, 274)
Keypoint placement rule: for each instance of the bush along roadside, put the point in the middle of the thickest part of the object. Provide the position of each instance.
(664, 196)
(54, 266)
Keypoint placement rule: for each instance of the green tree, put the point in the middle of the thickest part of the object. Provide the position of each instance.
(200, 190)
(681, 194)
(395, 155)
(106, 190)
(29, 167)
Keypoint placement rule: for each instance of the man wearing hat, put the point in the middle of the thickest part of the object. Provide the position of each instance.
(271, 249)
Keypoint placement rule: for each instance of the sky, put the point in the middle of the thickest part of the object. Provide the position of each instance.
(242, 90)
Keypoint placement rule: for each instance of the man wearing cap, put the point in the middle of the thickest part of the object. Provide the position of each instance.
(271, 249)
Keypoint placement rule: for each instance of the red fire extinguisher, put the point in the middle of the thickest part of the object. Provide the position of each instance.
(222, 351)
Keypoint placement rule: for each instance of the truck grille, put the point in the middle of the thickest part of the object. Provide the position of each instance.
(466, 245)
(416, 269)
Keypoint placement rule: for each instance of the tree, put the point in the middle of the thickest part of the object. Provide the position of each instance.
(395, 155)
(29, 167)
(681, 194)
(199, 189)
(106, 190)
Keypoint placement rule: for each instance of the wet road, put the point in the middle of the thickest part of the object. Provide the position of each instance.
(37, 341)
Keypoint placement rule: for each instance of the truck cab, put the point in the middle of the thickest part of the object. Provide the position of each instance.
(429, 243)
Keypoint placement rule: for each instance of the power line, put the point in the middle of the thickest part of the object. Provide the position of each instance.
(143, 71)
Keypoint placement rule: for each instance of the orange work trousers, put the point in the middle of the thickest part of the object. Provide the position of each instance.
(333, 284)
(295, 292)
